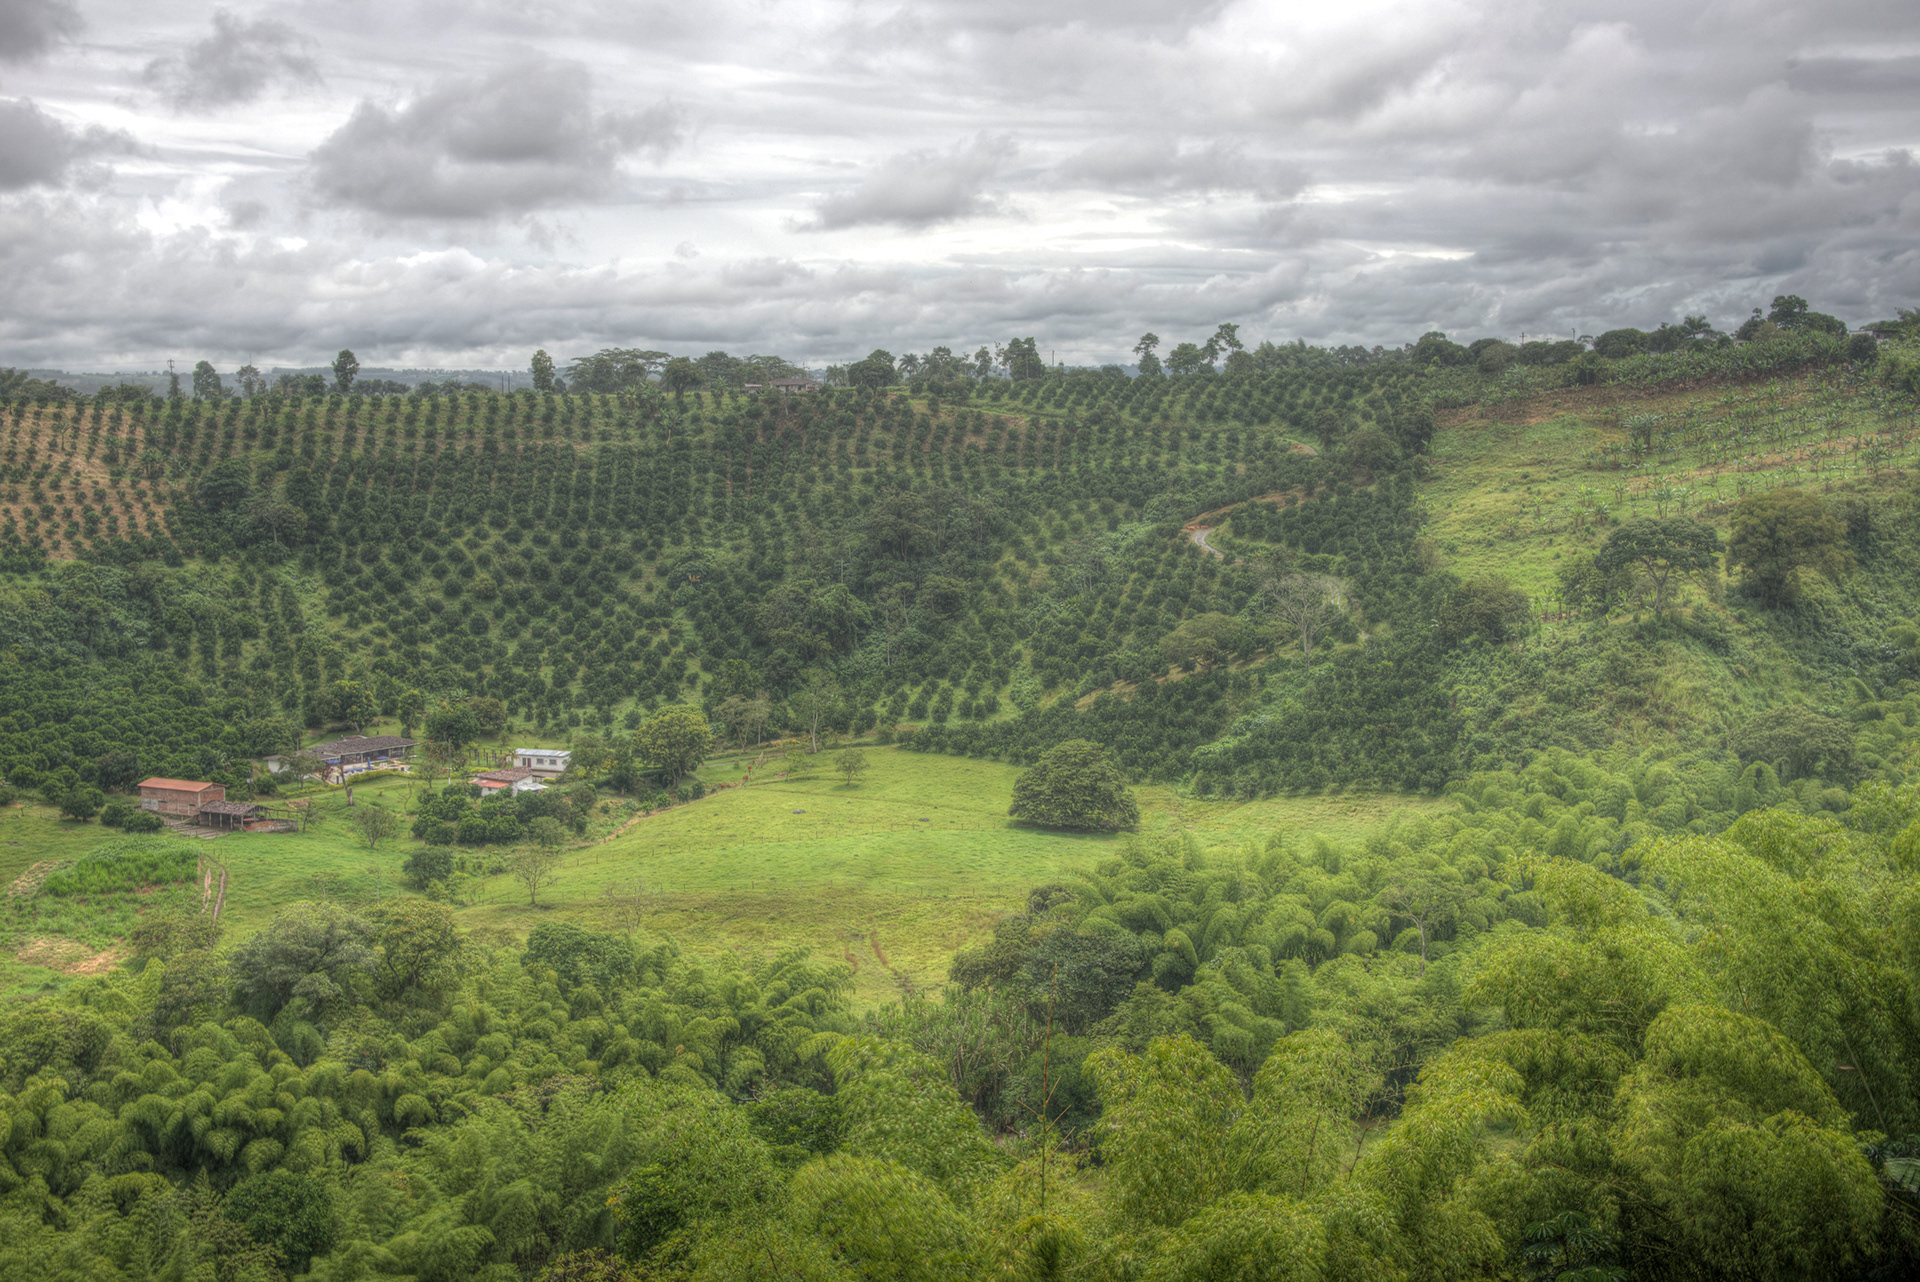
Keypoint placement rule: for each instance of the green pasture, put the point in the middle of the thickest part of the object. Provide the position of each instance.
(1512, 490)
(893, 874)
(32, 833)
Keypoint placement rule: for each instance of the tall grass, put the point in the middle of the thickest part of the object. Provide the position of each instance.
(122, 865)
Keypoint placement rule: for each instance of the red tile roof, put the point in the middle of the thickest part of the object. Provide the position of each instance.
(178, 785)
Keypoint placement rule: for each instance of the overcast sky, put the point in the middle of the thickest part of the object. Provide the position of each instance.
(438, 183)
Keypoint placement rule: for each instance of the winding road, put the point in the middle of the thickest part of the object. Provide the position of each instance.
(1199, 536)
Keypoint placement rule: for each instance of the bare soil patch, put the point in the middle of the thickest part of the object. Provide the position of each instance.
(68, 957)
(29, 881)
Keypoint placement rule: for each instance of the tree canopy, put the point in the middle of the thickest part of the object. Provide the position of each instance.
(1661, 549)
(674, 741)
(1781, 536)
(1075, 785)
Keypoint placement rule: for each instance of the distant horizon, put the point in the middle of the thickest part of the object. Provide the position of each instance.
(813, 365)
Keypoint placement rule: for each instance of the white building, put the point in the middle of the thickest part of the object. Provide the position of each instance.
(544, 762)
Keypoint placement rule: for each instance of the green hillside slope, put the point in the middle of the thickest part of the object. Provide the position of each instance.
(1523, 744)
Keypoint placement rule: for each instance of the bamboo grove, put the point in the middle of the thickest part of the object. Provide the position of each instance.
(1495, 1042)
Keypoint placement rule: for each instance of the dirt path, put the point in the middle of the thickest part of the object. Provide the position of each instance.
(1199, 536)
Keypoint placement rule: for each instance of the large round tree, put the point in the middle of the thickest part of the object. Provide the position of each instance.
(1075, 786)
(674, 741)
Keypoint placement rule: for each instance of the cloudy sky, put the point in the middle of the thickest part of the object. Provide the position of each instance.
(442, 183)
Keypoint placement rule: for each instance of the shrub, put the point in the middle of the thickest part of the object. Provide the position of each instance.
(428, 865)
(82, 802)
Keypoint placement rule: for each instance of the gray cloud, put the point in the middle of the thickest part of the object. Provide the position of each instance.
(237, 64)
(1161, 164)
(1899, 74)
(920, 188)
(37, 150)
(29, 28)
(1359, 173)
(526, 136)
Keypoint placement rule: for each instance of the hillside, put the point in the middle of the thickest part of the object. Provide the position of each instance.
(1478, 913)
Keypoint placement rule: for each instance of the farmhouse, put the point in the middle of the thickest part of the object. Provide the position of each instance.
(181, 798)
(496, 781)
(545, 763)
(355, 753)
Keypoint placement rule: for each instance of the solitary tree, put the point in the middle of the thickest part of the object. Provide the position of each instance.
(1309, 603)
(270, 510)
(537, 863)
(851, 763)
(1661, 550)
(1777, 537)
(675, 741)
(419, 944)
(732, 713)
(1148, 363)
(454, 725)
(309, 950)
(1074, 786)
(542, 371)
(429, 769)
(679, 376)
(408, 707)
(819, 690)
(374, 824)
(206, 383)
(1427, 898)
(346, 368)
(82, 802)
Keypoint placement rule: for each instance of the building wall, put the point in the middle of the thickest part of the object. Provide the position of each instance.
(177, 801)
(535, 762)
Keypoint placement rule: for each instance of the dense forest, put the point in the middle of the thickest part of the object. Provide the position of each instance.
(1641, 999)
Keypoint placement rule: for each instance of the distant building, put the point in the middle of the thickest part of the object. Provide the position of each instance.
(519, 780)
(180, 798)
(781, 385)
(358, 752)
(231, 814)
(545, 763)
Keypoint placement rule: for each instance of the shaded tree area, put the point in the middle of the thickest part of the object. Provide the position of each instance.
(1475, 1024)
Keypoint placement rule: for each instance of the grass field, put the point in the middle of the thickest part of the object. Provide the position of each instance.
(1515, 489)
(893, 874)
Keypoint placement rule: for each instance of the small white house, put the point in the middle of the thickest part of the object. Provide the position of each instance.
(544, 762)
